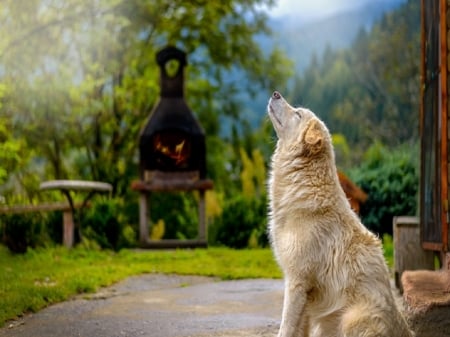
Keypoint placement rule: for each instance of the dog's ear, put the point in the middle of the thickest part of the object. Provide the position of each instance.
(313, 137)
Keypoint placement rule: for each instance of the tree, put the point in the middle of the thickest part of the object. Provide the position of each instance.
(83, 78)
(389, 71)
(370, 91)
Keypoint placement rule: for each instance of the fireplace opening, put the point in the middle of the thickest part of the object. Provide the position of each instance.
(172, 150)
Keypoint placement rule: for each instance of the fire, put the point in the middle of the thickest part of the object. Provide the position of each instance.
(173, 148)
(179, 150)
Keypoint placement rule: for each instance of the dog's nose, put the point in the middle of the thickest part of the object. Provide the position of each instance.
(276, 95)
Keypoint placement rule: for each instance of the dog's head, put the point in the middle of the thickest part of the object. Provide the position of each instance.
(297, 129)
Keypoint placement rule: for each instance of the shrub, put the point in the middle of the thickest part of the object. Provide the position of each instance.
(54, 226)
(103, 223)
(243, 223)
(20, 231)
(391, 180)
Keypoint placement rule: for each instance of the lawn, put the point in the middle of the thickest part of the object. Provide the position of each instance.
(41, 277)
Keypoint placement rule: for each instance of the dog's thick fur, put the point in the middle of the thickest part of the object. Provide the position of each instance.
(336, 278)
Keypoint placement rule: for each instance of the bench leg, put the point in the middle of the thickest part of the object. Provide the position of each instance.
(68, 227)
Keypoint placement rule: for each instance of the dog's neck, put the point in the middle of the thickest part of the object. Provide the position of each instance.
(304, 181)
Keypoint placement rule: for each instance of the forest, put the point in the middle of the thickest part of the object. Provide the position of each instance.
(78, 79)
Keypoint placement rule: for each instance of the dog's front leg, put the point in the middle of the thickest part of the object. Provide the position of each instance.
(294, 321)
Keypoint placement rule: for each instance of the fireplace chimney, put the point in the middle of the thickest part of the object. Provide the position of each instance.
(172, 142)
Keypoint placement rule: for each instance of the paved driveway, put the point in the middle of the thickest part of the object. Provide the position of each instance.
(162, 306)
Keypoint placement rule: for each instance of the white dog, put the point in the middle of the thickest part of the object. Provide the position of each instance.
(336, 278)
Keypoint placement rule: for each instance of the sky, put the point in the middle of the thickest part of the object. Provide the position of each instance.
(315, 8)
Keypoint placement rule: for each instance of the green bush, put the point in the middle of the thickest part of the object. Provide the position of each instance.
(243, 223)
(20, 231)
(391, 180)
(103, 223)
(54, 226)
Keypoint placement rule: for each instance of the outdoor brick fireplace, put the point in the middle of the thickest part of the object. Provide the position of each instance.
(172, 151)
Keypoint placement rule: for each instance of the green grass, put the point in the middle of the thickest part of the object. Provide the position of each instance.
(388, 248)
(41, 277)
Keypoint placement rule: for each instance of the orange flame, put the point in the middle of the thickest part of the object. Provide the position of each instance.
(177, 152)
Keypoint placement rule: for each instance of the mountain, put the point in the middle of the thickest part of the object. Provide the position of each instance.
(301, 39)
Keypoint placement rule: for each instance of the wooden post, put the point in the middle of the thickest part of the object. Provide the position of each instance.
(202, 217)
(143, 218)
(408, 252)
(443, 125)
(68, 228)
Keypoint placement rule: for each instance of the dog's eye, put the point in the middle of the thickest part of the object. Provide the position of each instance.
(297, 113)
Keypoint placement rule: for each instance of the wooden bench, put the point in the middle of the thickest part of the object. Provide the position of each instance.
(73, 186)
(67, 210)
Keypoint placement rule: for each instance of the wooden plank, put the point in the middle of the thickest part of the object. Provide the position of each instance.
(422, 66)
(435, 246)
(76, 185)
(444, 136)
(171, 185)
(44, 207)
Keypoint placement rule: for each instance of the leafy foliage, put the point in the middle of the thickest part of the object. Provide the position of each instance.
(21, 231)
(86, 71)
(12, 151)
(179, 213)
(105, 223)
(391, 179)
(78, 79)
(243, 219)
